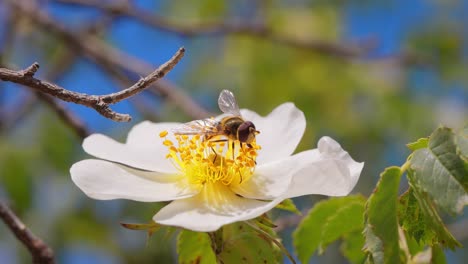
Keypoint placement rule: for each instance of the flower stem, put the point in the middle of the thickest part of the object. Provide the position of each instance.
(404, 167)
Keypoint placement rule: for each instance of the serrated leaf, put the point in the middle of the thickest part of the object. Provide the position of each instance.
(440, 172)
(242, 244)
(413, 220)
(418, 144)
(346, 219)
(352, 246)
(461, 140)
(381, 229)
(432, 221)
(269, 235)
(318, 227)
(288, 205)
(195, 247)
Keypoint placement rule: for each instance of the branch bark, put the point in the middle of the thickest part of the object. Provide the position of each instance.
(40, 252)
(99, 102)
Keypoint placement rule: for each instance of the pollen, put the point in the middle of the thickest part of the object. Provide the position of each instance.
(214, 161)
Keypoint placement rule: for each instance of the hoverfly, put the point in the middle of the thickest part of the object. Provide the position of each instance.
(231, 125)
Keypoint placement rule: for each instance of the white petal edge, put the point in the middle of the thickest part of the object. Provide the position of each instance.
(269, 181)
(143, 150)
(105, 180)
(280, 131)
(329, 171)
(195, 214)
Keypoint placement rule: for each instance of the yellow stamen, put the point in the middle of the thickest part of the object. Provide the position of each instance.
(210, 162)
(167, 143)
(163, 133)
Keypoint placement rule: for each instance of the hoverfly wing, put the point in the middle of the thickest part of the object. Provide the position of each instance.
(208, 127)
(228, 104)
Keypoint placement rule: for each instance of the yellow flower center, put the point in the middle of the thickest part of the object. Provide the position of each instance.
(214, 161)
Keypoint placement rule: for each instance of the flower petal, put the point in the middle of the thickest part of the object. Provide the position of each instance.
(142, 132)
(269, 181)
(329, 171)
(105, 180)
(205, 215)
(143, 150)
(280, 131)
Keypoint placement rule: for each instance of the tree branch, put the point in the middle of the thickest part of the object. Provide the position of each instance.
(40, 252)
(125, 9)
(99, 103)
(108, 57)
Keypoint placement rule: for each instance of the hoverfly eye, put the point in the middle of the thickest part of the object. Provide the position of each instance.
(245, 130)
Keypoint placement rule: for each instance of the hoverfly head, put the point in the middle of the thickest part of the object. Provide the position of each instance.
(246, 132)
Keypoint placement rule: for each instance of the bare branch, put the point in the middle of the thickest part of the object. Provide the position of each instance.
(99, 103)
(145, 82)
(108, 57)
(40, 252)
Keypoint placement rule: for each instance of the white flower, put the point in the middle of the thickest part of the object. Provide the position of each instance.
(208, 192)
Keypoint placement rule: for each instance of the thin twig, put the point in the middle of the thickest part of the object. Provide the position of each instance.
(40, 252)
(108, 57)
(99, 103)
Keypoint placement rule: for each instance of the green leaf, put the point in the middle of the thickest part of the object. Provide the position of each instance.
(352, 246)
(288, 205)
(381, 229)
(440, 172)
(413, 220)
(346, 219)
(438, 256)
(461, 140)
(420, 143)
(327, 221)
(194, 247)
(265, 221)
(242, 244)
(434, 231)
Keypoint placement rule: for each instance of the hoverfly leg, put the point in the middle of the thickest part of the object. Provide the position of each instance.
(233, 145)
(216, 154)
(214, 151)
(250, 146)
